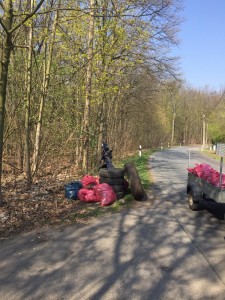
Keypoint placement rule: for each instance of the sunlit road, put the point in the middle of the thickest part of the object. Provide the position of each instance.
(157, 250)
(205, 228)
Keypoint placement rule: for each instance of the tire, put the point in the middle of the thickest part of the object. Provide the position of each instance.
(120, 195)
(135, 182)
(111, 181)
(118, 188)
(192, 202)
(111, 173)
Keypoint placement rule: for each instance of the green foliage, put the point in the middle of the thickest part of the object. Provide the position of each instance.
(216, 125)
(127, 66)
(141, 163)
(217, 133)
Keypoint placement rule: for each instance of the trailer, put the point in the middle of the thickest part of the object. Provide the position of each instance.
(199, 190)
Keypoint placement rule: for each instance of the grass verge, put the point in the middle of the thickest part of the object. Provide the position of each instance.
(141, 164)
(211, 154)
(95, 211)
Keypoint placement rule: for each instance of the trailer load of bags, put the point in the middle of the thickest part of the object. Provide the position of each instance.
(206, 172)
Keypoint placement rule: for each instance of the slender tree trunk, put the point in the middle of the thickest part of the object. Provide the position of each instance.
(173, 127)
(78, 129)
(28, 98)
(203, 130)
(102, 135)
(6, 22)
(206, 134)
(5, 58)
(86, 119)
(102, 128)
(45, 85)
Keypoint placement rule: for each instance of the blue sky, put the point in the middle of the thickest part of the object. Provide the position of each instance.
(202, 47)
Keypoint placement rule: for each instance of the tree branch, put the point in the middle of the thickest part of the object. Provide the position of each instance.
(3, 26)
(2, 5)
(27, 17)
(20, 46)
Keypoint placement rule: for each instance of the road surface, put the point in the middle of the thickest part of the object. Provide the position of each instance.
(158, 250)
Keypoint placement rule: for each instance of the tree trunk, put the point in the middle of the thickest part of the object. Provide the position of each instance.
(6, 51)
(28, 80)
(203, 130)
(173, 127)
(102, 134)
(86, 120)
(6, 22)
(45, 85)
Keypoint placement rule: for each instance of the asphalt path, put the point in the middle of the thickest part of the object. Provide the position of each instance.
(158, 250)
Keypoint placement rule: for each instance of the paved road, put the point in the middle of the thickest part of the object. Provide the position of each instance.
(159, 250)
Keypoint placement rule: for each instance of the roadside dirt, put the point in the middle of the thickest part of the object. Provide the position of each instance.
(45, 205)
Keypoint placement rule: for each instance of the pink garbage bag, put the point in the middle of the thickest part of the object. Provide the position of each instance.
(192, 170)
(86, 195)
(202, 170)
(89, 181)
(206, 171)
(104, 194)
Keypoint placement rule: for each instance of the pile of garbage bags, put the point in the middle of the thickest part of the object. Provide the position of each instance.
(206, 172)
(88, 189)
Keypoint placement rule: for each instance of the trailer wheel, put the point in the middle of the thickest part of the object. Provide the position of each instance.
(192, 202)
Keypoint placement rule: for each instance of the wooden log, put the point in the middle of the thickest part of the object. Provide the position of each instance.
(135, 182)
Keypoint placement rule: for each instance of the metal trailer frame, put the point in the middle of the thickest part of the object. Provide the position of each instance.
(199, 190)
(210, 191)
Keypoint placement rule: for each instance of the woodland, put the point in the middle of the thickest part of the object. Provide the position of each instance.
(77, 73)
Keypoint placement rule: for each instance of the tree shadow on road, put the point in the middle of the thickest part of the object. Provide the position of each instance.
(150, 252)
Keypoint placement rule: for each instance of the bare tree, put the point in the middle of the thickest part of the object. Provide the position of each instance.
(6, 21)
(45, 85)
(86, 119)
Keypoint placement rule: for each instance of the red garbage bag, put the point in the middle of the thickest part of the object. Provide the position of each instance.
(89, 181)
(104, 194)
(223, 181)
(198, 170)
(86, 195)
(206, 171)
(203, 170)
(192, 170)
(215, 179)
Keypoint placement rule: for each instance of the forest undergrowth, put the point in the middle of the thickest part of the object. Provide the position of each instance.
(44, 204)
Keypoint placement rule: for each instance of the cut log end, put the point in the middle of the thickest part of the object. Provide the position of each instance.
(135, 182)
